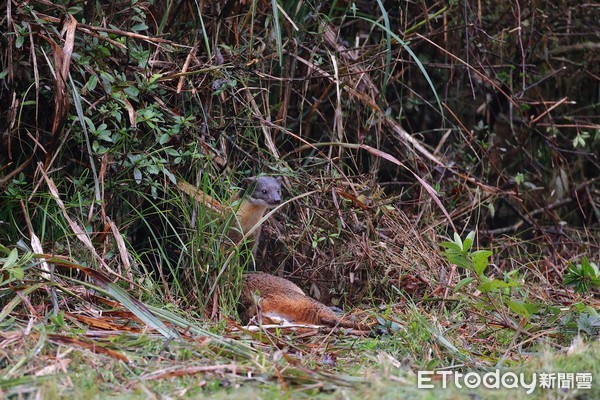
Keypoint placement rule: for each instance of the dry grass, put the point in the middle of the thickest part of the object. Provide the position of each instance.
(394, 125)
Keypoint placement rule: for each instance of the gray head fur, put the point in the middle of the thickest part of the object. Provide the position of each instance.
(265, 191)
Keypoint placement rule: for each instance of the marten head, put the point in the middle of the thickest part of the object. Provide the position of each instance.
(265, 191)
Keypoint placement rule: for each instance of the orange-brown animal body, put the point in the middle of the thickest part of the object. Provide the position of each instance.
(276, 299)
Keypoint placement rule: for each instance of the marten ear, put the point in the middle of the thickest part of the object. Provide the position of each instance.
(279, 179)
(249, 180)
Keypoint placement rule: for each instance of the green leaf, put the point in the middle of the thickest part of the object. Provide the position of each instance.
(4, 249)
(519, 178)
(590, 324)
(532, 308)
(495, 284)
(458, 259)
(582, 276)
(388, 42)
(458, 240)
(90, 124)
(480, 260)
(588, 268)
(152, 169)
(137, 175)
(592, 311)
(519, 309)
(11, 259)
(139, 27)
(164, 138)
(16, 273)
(172, 152)
(451, 246)
(571, 276)
(468, 242)
(132, 92)
(462, 283)
(170, 176)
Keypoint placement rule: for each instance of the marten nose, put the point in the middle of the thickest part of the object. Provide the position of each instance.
(276, 200)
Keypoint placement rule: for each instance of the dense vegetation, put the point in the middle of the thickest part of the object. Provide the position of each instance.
(440, 161)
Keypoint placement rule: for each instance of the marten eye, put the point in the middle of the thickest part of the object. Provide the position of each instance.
(264, 191)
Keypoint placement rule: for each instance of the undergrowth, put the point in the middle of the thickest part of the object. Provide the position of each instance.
(441, 176)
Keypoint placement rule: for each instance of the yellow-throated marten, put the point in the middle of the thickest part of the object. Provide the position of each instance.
(273, 298)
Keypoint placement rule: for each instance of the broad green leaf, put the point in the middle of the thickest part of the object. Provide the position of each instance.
(458, 240)
(164, 138)
(532, 308)
(451, 246)
(91, 83)
(171, 177)
(496, 284)
(471, 235)
(11, 259)
(4, 249)
(462, 283)
(459, 260)
(16, 273)
(139, 27)
(468, 242)
(480, 260)
(518, 309)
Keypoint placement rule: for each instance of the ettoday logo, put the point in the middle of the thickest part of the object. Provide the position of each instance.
(508, 380)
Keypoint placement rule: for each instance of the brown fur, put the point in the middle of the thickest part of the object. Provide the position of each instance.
(247, 216)
(279, 298)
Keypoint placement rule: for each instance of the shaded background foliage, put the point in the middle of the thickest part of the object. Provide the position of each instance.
(159, 89)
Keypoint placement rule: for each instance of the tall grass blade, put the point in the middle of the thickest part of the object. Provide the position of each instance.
(277, 31)
(388, 45)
